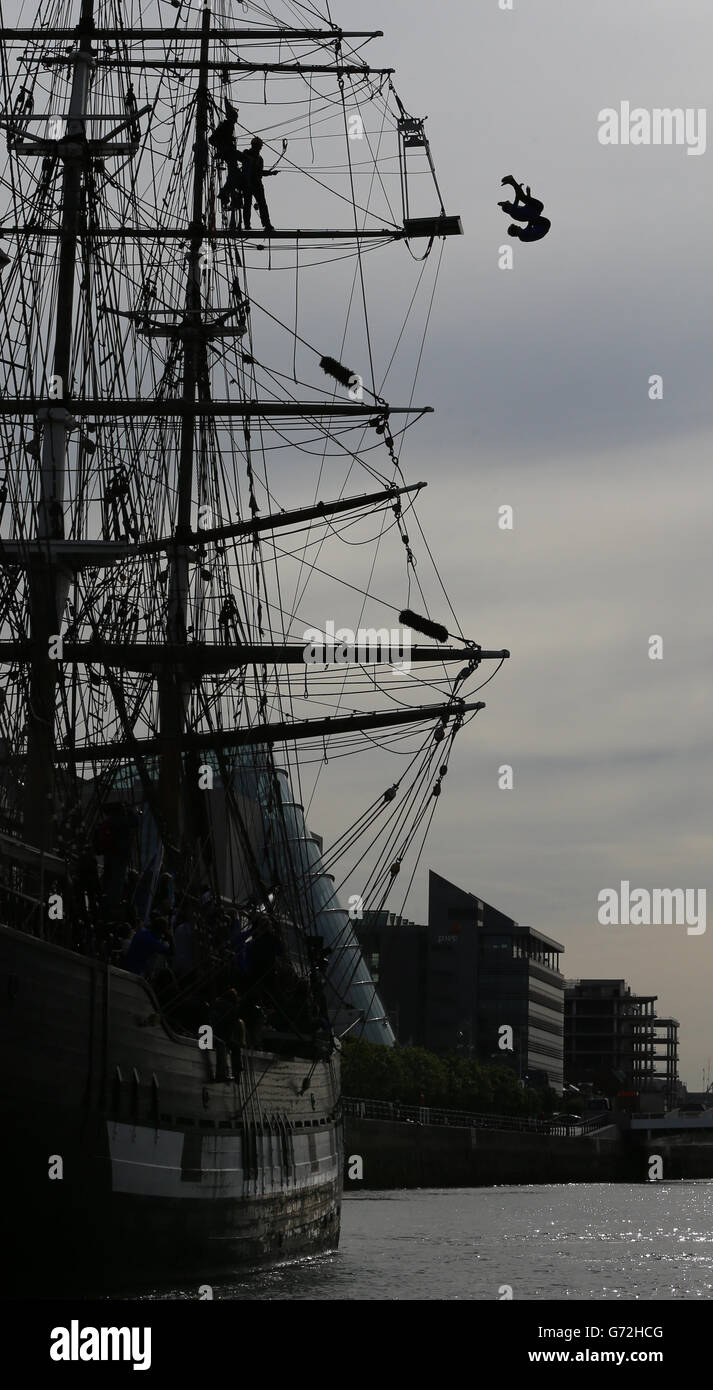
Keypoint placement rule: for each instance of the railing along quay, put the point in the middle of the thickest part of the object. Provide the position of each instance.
(363, 1109)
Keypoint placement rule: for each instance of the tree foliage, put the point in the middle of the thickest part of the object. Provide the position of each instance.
(446, 1080)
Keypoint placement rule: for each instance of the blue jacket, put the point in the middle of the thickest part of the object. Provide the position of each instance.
(143, 946)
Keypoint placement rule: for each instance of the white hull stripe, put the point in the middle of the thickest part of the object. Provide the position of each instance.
(166, 1163)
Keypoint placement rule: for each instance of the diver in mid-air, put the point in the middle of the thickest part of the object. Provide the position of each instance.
(525, 209)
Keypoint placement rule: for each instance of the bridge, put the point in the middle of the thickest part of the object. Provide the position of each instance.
(673, 1122)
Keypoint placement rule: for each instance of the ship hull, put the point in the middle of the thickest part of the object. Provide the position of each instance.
(132, 1156)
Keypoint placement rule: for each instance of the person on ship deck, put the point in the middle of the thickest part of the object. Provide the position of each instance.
(253, 174)
(223, 142)
(145, 945)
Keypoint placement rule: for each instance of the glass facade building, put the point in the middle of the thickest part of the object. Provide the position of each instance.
(497, 990)
(264, 837)
(471, 981)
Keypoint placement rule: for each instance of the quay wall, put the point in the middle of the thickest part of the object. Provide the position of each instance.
(398, 1155)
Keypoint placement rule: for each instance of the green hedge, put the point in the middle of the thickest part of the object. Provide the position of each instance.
(405, 1074)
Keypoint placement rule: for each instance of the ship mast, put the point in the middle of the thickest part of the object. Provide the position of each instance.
(48, 581)
(174, 686)
(52, 559)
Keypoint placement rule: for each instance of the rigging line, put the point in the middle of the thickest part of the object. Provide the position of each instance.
(273, 373)
(396, 821)
(417, 860)
(327, 188)
(338, 49)
(375, 164)
(383, 876)
(338, 532)
(361, 614)
(323, 690)
(285, 624)
(413, 391)
(324, 430)
(487, 681)
(333, 701)
(351, 837)
(333, 436)
(459, 630)
(293, 333)
(294, 336)
(419, 852)
(38, 198)
(428, 320)
(408, 312)
(345, 748)
(421, 764)
(402, 331)
(297, 594)
(351, 300)
(352, 833)
(346, 323)
(309, 120)
(287, 554)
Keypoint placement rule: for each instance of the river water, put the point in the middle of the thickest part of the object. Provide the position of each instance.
(582, 1241)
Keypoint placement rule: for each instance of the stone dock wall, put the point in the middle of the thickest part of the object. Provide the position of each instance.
(397, 1155)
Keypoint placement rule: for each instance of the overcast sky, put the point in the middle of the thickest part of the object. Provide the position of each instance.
(539, 377)
(540, 381)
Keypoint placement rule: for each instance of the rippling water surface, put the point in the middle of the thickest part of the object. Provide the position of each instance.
(595, 1241)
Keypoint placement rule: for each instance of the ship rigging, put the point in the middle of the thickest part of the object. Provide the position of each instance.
(194, 479)
(176, 322)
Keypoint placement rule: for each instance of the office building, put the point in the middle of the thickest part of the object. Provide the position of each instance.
(471, 981)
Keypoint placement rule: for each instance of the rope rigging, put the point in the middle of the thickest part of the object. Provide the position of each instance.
(342, 143)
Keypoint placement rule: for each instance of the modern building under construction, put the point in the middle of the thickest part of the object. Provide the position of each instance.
(614, 1040)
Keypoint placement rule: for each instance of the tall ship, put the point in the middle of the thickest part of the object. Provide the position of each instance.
(220, 620)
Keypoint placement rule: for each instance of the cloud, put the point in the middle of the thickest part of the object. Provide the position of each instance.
(540, 379)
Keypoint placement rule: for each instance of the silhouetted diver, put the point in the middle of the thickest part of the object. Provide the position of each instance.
(526, 209)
